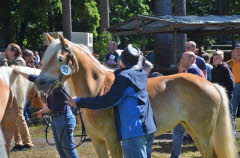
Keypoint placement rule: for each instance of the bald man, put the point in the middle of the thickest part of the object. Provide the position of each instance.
(191, 46)
(188, 62)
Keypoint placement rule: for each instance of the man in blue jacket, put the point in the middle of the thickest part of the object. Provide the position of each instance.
(129, 97)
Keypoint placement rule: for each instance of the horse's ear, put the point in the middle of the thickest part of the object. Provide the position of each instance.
(49, 38)
(63, 41)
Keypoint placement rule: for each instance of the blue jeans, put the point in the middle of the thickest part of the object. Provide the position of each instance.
(177, 137)
(138, 147)
(63, 127)
(235, 102)
(27, 111)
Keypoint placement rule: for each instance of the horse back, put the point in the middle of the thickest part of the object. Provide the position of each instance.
(182, 84)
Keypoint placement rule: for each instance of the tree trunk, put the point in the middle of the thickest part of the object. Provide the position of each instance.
(165, 56)
(67, 19)
(7, 24)
(181, 38)
(22, 32)
(104, 13)
(220, 11)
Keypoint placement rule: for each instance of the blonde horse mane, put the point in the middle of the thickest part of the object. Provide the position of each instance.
(20, 86)
(55, 48)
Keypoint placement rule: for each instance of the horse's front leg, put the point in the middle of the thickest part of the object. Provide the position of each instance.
(114, 145)
(8, 124)
(100, 147)
(101, 128)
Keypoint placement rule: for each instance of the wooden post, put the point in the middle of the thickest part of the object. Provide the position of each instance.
(67, 19)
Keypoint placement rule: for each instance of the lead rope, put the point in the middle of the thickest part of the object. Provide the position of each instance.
(76, 112)
(48, 124)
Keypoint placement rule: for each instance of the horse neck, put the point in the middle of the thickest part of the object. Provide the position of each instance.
(91, 77)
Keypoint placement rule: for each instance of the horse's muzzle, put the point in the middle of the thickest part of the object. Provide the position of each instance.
(45, 85)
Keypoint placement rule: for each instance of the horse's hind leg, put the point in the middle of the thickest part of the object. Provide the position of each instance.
(206, 146)
(100, 147)
(202, 139)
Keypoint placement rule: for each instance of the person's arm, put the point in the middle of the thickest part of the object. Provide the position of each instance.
(44, 110)
(229, 80)
(205, 73)
(18, 71)
(113, 97)
(30, 77)
(213, 80)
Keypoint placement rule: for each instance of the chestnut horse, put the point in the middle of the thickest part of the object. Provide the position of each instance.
(15, 89)
(200, 106)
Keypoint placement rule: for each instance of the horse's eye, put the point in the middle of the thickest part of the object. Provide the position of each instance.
(60, 59)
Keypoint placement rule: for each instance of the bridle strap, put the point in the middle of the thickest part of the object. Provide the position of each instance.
(69, 57)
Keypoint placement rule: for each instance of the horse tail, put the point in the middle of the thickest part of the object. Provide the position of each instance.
(223, 137)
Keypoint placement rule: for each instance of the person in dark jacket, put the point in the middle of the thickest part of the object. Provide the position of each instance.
(63, 121)
(222, 75)
(129, 97)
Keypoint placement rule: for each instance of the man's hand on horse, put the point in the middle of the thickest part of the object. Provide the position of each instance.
(73, 102)
(17, 70)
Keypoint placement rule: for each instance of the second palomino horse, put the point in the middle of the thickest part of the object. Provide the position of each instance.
(200, 106)
(15, 89)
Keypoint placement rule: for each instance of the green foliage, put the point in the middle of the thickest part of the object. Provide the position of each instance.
(28, 20)
(201, 7)
(85, 12)
(231, 7)
(122, 10)
(101, 44)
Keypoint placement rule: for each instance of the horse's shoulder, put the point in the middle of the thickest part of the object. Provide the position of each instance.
(108, 81)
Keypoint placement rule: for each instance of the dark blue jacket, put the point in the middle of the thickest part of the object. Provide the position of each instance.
(133, 112)
(200, 62)
(222, 75)
(195, 70)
